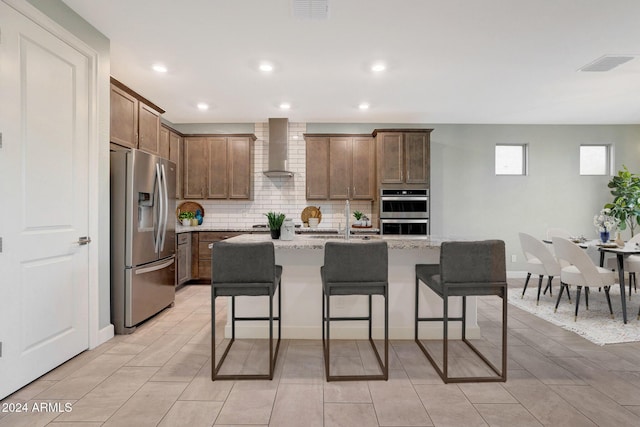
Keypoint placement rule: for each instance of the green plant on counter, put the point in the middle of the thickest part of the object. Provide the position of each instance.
(625, 188)
(186, 215)
(275, 220)
(357, 215)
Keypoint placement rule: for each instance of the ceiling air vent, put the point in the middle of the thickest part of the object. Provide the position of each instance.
(311, 9)
(607, 63)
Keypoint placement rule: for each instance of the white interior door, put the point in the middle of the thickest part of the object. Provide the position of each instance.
(44, 120)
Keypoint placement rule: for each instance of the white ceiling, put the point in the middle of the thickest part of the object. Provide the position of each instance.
(449, 61)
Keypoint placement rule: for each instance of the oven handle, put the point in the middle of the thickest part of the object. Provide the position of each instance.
(412, 220)
(404, 215)
(403, 198)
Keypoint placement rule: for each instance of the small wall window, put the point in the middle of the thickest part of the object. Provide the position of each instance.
(511, 159)
(595, 159)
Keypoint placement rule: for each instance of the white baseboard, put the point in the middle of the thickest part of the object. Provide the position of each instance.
(516, 274)
(104, 335)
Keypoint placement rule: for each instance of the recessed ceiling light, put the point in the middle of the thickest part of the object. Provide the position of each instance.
(159, 68)
(285, 106)
(266, 67)
(363, 106)
(378, 67)
(202, 106)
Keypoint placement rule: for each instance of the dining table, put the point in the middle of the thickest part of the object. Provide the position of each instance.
(620, 252)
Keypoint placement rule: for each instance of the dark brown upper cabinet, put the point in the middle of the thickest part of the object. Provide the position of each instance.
(403, 157)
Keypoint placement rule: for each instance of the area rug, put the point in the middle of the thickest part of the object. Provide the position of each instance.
(594, 324)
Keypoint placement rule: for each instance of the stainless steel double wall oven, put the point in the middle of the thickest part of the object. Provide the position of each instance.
(404, 211)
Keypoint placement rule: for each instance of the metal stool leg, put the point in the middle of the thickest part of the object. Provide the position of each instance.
(326, 344)
(443, 373)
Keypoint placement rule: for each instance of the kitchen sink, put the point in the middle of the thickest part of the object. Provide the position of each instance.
(342, 237)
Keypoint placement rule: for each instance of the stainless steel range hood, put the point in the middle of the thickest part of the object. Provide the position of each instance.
(278, 148)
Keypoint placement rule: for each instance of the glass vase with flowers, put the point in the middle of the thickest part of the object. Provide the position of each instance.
(605, 224)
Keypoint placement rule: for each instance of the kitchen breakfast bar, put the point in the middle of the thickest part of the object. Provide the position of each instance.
(301, 287)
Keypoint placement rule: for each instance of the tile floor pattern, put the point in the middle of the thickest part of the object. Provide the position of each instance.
(161, 376)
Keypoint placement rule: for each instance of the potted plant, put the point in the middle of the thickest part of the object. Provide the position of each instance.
(625, 188)
(358, 216)
(275, 220)
(186, 217)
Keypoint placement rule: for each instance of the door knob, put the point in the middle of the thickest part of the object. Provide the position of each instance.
(84, 240)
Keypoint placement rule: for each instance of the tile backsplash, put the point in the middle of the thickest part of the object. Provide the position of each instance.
(280, 194)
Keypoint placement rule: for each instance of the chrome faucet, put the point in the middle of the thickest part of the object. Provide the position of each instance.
(347, 214)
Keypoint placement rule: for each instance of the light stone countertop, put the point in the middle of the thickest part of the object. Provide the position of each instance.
(302, 241)
(244, 229)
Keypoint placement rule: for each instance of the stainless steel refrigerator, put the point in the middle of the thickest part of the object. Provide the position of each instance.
(143, 188)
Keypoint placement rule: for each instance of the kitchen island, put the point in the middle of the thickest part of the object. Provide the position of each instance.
(301, 259)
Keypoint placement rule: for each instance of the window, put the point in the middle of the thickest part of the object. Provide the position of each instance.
(511, 159)
(595, 159)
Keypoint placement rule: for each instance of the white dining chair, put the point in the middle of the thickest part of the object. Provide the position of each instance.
(540, 261)
(557, 232)
(631, 264)
(581, 272)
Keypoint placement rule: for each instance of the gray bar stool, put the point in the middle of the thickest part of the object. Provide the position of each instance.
(355, 269)
(465, 269)
(244, 269)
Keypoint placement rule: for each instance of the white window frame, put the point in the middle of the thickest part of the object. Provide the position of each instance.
(524, 160)
(608, 159)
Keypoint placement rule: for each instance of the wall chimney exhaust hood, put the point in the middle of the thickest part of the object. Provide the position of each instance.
(278, 148)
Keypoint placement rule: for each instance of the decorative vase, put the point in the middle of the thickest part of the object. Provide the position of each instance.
(619, 240)
(275, 234)
(199, 217)
(604, 236)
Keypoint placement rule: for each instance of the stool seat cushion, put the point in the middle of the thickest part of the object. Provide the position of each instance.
(355, 268)
(352, 288)
(231, 289)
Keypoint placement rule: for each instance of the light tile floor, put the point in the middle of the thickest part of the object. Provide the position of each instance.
(160, 375)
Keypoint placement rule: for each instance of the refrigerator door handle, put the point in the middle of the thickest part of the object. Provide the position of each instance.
(158, 184)
(155, 267)
(165, 204)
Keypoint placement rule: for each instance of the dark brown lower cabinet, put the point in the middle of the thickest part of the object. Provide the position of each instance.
(183, 258)
(201, 254)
